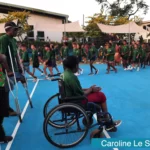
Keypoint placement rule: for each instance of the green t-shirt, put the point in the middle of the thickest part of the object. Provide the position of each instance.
(125, 51)
(92, 52)
(135, 54)
(6, 41)
(25, 57)
(44, 54)
(53, 52)
(2, 77)
(35, 57)
(49, 55)
(143, 53)
(110, 54)
(76, 52)
(65, 52)
(72, 84)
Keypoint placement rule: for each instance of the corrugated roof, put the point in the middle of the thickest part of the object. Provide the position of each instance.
(34, 10)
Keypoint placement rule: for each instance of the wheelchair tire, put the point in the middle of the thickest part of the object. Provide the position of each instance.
(60, 144)
(46, 110)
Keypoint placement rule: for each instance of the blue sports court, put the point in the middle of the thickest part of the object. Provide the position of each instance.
(127, 98)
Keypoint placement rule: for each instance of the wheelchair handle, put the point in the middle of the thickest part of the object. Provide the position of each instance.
(54, 75)
(57, 79)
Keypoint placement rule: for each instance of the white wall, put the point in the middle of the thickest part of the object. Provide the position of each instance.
(38, 21)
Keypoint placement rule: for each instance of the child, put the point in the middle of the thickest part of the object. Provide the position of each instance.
(110, 59)
(48, 62)
(54, 58)
(125, 55)
(35, 59)
(73, 87)
(135, 58)
(92, 57)
(76, 52)
(143, 55)
(26, 62)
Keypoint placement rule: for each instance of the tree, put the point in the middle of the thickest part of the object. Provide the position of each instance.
(92, 28)
(21, 18)
(123, 7)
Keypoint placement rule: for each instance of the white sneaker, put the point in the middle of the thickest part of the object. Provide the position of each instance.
(42, 74)
(81, 71)
(30, 76)
(131, 68)
(125, 69)
(76, 74)
(35, 79)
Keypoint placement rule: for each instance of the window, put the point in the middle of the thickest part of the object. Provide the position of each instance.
(30, 34)
(40, 35)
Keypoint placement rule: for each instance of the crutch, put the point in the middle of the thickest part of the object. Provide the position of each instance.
(15, 97)
(25, 85)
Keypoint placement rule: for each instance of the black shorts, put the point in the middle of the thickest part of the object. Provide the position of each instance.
(36, 65)
(49, 64)
(54, 63)
(93, 58)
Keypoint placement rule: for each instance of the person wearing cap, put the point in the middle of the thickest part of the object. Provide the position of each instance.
(7, 42)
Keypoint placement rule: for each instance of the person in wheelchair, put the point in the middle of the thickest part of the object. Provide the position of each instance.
(73, 88)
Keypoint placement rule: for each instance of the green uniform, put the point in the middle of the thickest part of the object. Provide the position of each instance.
(142, 54)
(44, 54)
(76, 52)
(25, 57)
(125, 52)
(110, 55)
(83, 53)
(35, 59)
(92, 53)
(53, 55)
(65, 52)
(135, 54)
(72, 84)
(2, 77)
(6, 41)
(49, 55)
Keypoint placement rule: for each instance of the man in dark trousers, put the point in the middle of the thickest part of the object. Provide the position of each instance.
(8, 42)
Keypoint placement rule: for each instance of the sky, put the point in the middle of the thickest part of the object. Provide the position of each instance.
(74, 8)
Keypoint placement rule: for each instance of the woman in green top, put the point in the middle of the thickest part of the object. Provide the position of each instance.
(35, 59)
(26, 62)
(110, 58)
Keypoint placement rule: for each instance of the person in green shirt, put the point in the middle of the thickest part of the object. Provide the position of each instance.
(92, 56)
(110, 58)
(36, 59)
(125, 54)
(26, 61)
(73, 87)
(143, 55)
(65, 51)
(135, 58)
(76, 52)
(48, 62)
(54, 64)
(7, 42)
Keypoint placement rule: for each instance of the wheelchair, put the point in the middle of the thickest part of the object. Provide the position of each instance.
(67, 124)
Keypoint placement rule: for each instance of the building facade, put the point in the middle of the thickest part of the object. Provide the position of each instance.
(36, 20)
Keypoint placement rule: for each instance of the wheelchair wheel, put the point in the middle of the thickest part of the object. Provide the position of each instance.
(71, 134)
(49, 105)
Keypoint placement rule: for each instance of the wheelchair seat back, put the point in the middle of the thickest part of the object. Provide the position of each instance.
(61, 89)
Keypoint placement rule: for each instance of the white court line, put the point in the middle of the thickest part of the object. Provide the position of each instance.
(105, 133)
(38, 79)
(22, 115)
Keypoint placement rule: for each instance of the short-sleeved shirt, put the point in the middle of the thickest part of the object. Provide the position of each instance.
(72, 84)
(49, 55)
(135, 54)
(65, 52)
(25, 57)
(92, 52)
(53, 54)
(143, 53)
(6, 41)
(76, 52)
(110, 54)
(35, 57)
(125, 51)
